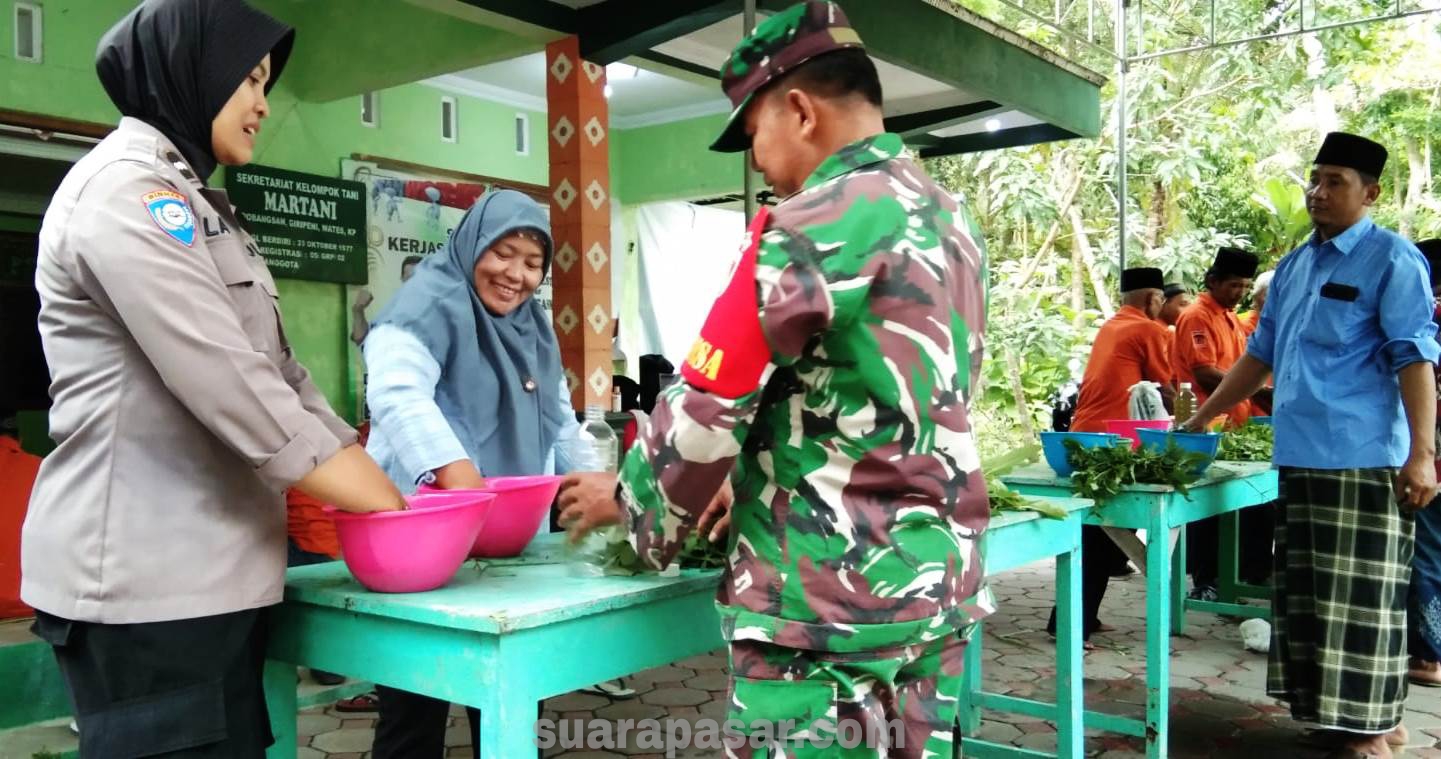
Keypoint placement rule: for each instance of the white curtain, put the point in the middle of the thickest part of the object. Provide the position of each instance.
(684, 255)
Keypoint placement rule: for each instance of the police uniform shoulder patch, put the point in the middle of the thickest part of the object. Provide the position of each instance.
(171, 212)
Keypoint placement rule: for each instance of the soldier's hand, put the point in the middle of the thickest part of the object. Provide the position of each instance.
(715, 521)
(587, 501)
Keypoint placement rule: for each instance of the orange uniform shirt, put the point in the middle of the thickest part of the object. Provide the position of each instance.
(1209, 335)
(1249, 321)
(1130, 347)
(17, 475)
(308, 526)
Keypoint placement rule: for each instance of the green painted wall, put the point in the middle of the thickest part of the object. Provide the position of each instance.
(64, 84)
(671, 162)
(648, 164)
(345, 47)
(302, 136)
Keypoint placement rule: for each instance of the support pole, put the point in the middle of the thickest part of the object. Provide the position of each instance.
(1121, 124)
(748, 183)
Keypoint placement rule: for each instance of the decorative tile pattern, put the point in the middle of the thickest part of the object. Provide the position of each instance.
(580, 169)
(566, 257)
(564, 194)
(595, 194)
(594, 131)
(563, 131)
(561, 67)
(599, 382)
(566, 321)
(596, 256)
(598, 319)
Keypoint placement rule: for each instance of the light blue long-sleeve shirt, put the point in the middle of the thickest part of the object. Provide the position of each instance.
(409, 436)
(1335, 356)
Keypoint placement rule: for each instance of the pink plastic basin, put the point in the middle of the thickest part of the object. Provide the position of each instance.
(520, 505)
(1127, 428)
(415, 550)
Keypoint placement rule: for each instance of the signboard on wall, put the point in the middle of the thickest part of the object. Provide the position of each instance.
(308, 226)
(409, 216)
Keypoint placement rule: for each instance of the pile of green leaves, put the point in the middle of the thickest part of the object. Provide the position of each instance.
(1005, 499)
(1250, 442)
(609, 551)
(1101, 472)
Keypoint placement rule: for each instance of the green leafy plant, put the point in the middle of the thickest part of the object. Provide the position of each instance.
(609, 551)
(1004, 499)
(1101, 473)
(1251, 442)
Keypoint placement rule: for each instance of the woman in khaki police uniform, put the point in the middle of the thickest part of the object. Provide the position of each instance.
(156, 531)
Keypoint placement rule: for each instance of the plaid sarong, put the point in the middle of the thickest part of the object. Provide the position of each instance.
(1343, 563)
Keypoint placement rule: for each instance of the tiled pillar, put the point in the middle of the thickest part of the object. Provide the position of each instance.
(580, 218)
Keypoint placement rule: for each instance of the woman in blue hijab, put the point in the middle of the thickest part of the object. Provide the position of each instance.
(464, 382)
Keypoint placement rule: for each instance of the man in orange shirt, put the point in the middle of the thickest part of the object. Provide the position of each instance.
(1130, 347)
(1209, 336)
(1209, 339)
(1178, 299)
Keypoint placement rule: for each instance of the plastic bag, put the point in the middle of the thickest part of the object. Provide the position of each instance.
(1256, 635)
(1146, 401)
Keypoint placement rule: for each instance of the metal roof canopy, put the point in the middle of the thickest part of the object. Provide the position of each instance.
(954, 82)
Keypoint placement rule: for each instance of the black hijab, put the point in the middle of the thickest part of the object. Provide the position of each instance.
(174, 63)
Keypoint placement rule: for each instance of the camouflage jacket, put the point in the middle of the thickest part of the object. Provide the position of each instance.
(831, 383)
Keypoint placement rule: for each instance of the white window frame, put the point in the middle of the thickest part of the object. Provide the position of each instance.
(374, 122)
(37, 25)
(453, 123)
(522, 130)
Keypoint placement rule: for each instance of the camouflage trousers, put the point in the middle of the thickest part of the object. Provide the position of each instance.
(894, 703)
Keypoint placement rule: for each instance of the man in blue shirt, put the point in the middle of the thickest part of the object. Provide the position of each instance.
(1347, 333)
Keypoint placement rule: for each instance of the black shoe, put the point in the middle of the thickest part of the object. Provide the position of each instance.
(1204, 593)
(326, 678)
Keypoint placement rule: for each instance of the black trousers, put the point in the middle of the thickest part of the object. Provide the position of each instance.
(412, 726)
(1203, 546)
(1100, 558)
(180, 689)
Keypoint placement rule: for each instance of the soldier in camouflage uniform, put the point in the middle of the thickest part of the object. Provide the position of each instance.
(830, 384)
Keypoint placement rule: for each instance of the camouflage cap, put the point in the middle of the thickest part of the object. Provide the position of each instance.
(778, 45)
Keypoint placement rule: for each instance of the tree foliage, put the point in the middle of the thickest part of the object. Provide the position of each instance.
(1218, 150)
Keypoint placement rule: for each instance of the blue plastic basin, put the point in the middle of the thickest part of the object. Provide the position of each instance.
(1198, 442)
(1054, 448)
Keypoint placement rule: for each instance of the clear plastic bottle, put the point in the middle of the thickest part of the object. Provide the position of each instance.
(1185, 404)
(602, 443)
(598, 448)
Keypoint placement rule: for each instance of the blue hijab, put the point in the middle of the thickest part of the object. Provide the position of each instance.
(499, 375)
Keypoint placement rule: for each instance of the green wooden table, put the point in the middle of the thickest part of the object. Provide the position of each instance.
(1163, 513)
(1013, 540)
(501, 636)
